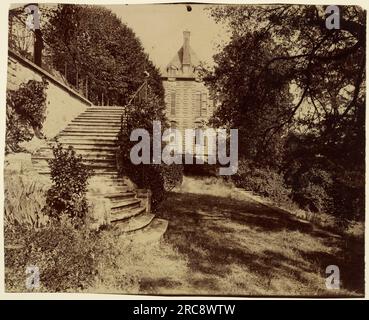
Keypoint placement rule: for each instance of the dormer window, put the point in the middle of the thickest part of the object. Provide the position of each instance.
(172, 70)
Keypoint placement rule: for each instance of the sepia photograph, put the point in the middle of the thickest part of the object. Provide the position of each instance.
(185, 149)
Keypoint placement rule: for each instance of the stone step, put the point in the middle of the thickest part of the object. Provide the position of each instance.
(98, 169)
(89, 152)
(107, 183)
(101, 114)
(106, 110)
(119, 206)
(97, 128)
(126, 214)
(84, 147)
(98, 119)
(87, 155)
(104, 172)
(113, 108)
(152, 233)
(108, 178)
(116, 197)
(83, 118)
(83, 138)
(128, 194)
(95, 124)
(104, 190)
(98, 116)
(89, 127)
(92, 162)
(73, 133)
(84, 143)
(134, 224)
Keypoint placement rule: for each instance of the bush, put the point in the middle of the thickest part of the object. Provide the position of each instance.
(67, 194)
(172, 175)
(311, 189)
(348, 197)
(159, 178)
(263, 181)
(25, 113)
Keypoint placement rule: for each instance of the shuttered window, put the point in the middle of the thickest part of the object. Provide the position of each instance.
(204, 104)
(173, 103)
(173, 125)
(197, 104)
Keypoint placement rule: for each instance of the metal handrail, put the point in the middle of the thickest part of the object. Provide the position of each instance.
(138, 91)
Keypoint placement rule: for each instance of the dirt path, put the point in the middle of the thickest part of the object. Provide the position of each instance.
(241, 247)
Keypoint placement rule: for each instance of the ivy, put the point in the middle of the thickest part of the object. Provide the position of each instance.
(25, 113)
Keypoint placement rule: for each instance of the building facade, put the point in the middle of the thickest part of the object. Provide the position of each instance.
(188, 103)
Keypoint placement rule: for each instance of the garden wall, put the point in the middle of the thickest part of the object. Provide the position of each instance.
(63, 103)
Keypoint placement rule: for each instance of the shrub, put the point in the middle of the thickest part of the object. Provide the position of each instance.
(263, 181)
(25, 113)
(172, 175)
(159, 178)
(67, 194)
(348, 197)
(311, 189)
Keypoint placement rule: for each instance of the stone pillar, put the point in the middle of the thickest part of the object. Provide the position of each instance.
(145, 196)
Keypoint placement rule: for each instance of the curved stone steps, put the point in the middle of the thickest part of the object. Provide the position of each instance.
(118, 206)
(94, 135)
(151, 233)
(134, 224)
(127, 214)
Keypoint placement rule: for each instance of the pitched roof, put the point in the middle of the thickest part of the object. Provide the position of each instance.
(178, 59)
(184, 57)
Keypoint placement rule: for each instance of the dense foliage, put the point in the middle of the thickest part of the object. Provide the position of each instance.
(159, 178)
(62, 254)
(98, 54)
(67, 195)
(296, 92)
(25, 113)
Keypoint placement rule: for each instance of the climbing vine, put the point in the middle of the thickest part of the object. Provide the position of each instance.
(25, 113)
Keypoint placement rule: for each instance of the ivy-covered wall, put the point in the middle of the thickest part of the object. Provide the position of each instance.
(62, 103)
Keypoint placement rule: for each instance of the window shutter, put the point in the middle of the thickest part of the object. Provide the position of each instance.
(204, 104)
(173, 103)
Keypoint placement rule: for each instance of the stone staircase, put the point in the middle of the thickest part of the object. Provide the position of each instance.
(93, 135)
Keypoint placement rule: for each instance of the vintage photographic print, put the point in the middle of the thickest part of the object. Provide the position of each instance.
(185, 149)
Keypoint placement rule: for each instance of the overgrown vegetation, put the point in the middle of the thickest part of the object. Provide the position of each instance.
(67, 195)
(24, 200)
(44, 227)
(159, 178)
(25, 113)
(299, 105)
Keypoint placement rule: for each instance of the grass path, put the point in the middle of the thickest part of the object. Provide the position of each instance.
(227, 246)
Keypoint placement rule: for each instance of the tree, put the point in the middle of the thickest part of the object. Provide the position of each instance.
(284, 74)
(92, 47)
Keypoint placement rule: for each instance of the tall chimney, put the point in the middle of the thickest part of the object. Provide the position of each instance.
(186, 48)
